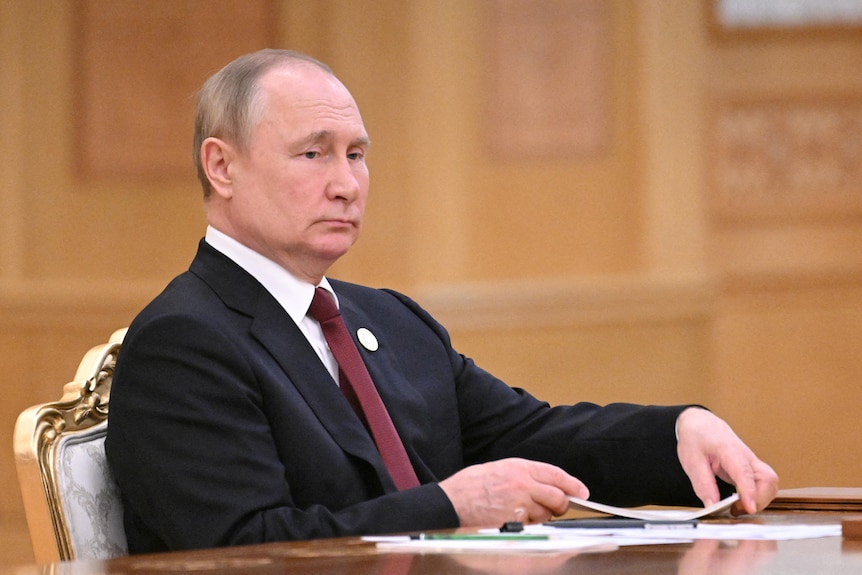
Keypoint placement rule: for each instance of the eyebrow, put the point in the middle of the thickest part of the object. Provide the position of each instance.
(324, 135)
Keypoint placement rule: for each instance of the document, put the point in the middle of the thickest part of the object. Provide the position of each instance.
(490, 544)
(548, 539)
(671, 514)
(717, 531)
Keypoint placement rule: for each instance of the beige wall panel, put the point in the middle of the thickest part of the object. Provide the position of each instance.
(631, 339)
(802, 65)
(440, 136)
(788, 369)
(77, 229)
(653, 363)
(15, 544)
(368, 52)
(785, 245)
(21, 374)
(815, 249)
(12, 99)
(458, 209)
(571, 222)
(568, 211)
(669, 64)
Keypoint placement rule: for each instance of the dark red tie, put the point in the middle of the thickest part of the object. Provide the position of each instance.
(357, 386)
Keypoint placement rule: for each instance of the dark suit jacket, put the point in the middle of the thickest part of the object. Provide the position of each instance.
(226, 429)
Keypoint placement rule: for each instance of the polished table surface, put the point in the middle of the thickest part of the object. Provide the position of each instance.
(352, 556)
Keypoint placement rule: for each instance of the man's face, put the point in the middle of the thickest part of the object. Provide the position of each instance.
(298, 192)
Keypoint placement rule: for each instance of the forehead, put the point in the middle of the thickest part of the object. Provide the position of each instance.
(304, 95)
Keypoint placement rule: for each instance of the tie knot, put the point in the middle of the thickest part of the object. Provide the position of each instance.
(322, 306)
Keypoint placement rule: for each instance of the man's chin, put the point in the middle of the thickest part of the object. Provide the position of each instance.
(332, 251)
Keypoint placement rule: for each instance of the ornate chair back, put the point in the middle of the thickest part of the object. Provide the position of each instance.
(71, 502)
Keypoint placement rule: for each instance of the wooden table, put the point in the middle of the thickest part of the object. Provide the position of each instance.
(352, 556)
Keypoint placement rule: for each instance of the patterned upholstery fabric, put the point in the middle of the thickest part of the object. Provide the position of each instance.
(89, 496)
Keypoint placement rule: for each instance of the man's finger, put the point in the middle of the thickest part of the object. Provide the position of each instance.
(702, 479)
(737, 470)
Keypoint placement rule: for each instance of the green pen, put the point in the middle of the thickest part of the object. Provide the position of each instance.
(476, 537)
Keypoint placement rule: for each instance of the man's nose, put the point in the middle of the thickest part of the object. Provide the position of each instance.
(344, 182)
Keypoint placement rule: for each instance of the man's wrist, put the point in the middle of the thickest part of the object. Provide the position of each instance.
(678, 417)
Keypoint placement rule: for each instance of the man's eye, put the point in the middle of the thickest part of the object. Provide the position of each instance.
(311, 155)
(355, 156)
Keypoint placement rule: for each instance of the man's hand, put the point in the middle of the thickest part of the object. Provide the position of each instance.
(708, 448)
(511, 490)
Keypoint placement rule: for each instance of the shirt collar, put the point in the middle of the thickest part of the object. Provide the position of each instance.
(292, 293)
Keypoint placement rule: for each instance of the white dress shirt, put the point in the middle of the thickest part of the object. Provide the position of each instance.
(293, 294)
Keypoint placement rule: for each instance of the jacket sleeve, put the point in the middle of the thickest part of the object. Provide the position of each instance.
(626, 454)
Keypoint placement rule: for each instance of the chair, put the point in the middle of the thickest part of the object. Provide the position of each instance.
(71, 502)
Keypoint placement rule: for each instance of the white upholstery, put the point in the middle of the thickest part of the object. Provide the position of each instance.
(89, 496)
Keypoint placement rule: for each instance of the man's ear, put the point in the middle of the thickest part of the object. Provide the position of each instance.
(216, 157)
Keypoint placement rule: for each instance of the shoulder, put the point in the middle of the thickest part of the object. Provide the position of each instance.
(388, 308)
(185, 294)
(368, 300)
(188, 311)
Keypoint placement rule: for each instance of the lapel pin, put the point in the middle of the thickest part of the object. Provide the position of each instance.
(367, 339)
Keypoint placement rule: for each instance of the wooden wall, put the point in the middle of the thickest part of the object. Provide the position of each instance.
(603, 200)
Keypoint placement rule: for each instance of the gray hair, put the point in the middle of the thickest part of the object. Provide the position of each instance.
(229, 106)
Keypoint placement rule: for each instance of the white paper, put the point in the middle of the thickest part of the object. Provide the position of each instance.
(551, 545)
(718, 531)
(653, 514)
(574, 540)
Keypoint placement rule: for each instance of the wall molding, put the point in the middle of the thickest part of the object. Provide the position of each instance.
(769, 282)
(458, 306)
(555, 302)
(469, 306)
(56, 304)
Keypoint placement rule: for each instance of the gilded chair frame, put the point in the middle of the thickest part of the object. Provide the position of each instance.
(38, 430)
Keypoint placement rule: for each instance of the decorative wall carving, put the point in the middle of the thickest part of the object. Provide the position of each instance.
(548, 75)
(793, 158)
(138, 66)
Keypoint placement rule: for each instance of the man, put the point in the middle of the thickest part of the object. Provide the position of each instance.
(227, 423)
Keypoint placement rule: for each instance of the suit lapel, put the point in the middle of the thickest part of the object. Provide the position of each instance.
(273, 328)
